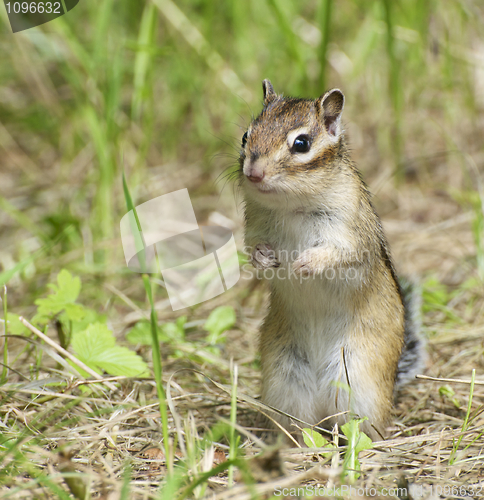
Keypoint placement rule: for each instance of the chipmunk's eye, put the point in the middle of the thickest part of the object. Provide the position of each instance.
(244, 140)
(301, 144)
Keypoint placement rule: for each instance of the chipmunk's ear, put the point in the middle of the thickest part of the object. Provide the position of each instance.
(330, 105)
(269, 94)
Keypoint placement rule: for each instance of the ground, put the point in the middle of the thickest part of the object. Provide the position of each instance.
(163, 93)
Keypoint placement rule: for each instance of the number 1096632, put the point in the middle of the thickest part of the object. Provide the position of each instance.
(34, 7)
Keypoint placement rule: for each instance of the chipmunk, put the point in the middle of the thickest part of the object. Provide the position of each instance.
(341, 333)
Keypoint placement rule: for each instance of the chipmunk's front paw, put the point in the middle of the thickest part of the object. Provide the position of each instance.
(264, 257)
(311, 261)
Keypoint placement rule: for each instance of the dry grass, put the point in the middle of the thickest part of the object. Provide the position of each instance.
(99, 433)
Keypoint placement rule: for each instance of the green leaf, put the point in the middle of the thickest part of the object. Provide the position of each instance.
(89, 317)
(448, 392)
(364, 443)
(96, 347)
(15, 327)
(69, 286)
(221, 319)
(140, 333)
(62, 298)
(313, 439)
(180, 323)
(93, 341)
(122, 361)
(171, 333)
(357, 441)
(174, 332)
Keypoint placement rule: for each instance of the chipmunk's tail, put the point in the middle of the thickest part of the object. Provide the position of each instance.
(414, 355)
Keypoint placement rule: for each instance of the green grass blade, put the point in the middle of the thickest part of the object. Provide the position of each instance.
(137, 231)
(144, 58)
(3, 379)
(324, 23)
(292, 43)
(129, 201)
(394, 84)
(455, 447)
(233, 420)
(157, 368)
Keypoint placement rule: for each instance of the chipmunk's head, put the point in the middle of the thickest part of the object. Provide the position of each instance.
(291, 150)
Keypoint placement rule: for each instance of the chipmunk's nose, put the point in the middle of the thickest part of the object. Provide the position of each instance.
(254, 170)
(255, 175)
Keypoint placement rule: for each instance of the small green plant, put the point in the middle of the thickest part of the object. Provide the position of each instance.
(170, 332)
(83, 330)
(447, 392)
(358, 441)
(219, 321)
(436, 296)
(313, 439)
(173, 334)
(61, 305)
(97, 348)
(466, 423)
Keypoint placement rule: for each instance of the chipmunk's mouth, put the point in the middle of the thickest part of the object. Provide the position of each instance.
(261, 187)
(264, 189)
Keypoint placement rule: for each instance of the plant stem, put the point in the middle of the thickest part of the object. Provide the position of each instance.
(466, 419)
(5, 338)
(233, 420)
(157, 368)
